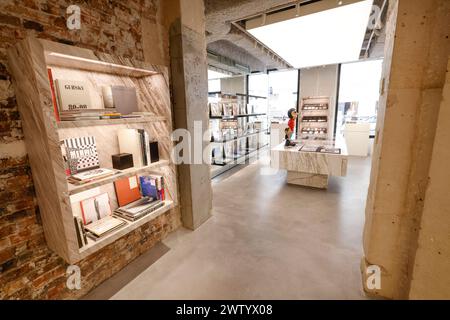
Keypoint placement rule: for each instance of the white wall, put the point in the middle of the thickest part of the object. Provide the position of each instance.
(321, 81)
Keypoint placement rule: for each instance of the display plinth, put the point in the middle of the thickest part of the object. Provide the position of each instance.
(310, 169)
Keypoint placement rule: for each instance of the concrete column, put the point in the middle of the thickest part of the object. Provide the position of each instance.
(416, 54)
(190, 103)
(431, 277)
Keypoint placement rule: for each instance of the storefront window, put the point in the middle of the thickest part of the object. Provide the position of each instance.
(283, 87)
(359, 93)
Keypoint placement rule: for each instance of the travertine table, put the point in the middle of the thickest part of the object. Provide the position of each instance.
(311, 169)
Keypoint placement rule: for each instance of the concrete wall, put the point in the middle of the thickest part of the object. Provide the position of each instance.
(321, 81)
(414, 70)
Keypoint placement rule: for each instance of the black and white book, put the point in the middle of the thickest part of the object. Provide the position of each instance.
(81, 154)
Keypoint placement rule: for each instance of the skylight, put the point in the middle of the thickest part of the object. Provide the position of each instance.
(327, 37)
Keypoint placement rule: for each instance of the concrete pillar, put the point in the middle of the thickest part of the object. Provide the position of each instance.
(190, 102)
(416, 54)
(431, 277)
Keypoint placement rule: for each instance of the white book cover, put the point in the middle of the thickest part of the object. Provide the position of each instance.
(95, 208)
(75, 200)
(130, 142)
(147, 147)
(73, 95)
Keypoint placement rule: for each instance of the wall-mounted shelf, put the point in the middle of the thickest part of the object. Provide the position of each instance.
(70, 61)
(309, 118)
(29, 61)
(74, 189)
(94, 246)
(105, 122)
(237, 116)
(240, 137)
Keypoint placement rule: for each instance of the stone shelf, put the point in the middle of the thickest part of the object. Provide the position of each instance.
(93, 245)
(74, 189)
(100, 122)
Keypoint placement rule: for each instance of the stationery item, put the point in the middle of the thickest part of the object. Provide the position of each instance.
(130, 142)
(122, 161)
(124, 99)
(81, 154)
(154, 151)
(73, 95)
(127, 190)
(102, 227)
(95, 208)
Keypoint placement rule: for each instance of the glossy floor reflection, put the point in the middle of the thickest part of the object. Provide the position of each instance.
(266, 240)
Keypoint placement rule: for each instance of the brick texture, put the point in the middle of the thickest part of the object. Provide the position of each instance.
(28, 269)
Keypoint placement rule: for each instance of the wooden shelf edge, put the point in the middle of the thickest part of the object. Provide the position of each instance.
(74, 189)
(94, 246)
(104, 122)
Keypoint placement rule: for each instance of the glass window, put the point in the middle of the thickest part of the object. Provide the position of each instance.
(283, 87)
(359, 93)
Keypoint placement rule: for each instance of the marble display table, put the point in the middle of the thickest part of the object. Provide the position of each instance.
(311, 169)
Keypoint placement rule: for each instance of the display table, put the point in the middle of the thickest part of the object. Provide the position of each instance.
(357, 137)
(311, 168)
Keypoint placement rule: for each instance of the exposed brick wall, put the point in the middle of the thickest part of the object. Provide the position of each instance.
(28, 269)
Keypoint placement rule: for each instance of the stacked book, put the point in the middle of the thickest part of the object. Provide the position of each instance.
(89, 176)
(139, 208)
(103, 227)
(89, 114)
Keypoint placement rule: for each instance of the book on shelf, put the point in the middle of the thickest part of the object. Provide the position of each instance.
(103, 227)
(306, 148)
(73, 95)
(52, 89)
(91, 175)
(81, 154)
(137, 143)
(139, 209)
(127, 190)
(153, 186)
(330, 150)
(95, 208)
(81, 233)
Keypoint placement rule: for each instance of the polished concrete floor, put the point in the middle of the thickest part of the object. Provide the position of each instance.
(265, 240)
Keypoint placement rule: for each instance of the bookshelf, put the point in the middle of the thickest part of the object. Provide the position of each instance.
(236, 137)
(314, 117)
(28, 62)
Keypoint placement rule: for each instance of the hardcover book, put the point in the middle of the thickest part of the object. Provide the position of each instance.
(73, 95)
(81, 154)
(127, 190)
(95, 208)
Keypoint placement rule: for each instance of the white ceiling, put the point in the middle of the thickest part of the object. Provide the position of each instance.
(327, 37)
